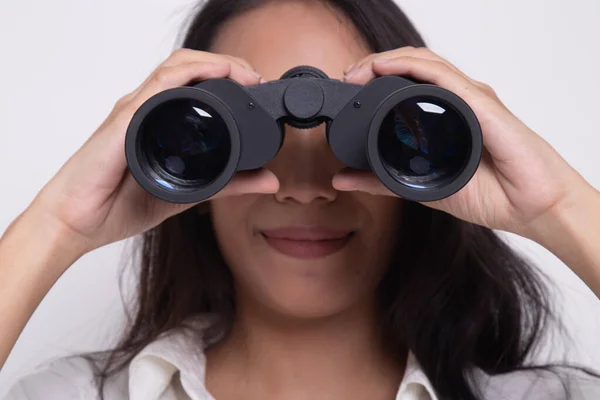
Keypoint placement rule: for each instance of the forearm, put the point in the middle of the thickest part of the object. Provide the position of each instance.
(572, 233)
(33, 255)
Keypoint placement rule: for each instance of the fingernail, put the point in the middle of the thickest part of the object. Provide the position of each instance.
(349, 68)
(256, 74)
(352, 73)
(262, 80)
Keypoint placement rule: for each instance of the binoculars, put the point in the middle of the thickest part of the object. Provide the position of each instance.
(423, 142)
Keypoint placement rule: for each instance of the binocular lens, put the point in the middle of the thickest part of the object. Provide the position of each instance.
(423, 142)
(186, 143)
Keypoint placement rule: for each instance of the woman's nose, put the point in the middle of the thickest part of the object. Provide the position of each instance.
(305, 167)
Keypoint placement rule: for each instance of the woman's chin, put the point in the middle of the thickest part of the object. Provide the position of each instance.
(307, 303)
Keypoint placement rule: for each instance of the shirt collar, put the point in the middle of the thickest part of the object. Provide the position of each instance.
(181, 351)
(415, 381)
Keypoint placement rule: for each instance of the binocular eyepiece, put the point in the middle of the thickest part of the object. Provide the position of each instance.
(423, 142)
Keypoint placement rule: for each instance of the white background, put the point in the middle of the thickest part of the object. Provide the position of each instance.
(64, 63)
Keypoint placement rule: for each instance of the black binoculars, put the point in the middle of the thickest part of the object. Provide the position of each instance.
(423, 142)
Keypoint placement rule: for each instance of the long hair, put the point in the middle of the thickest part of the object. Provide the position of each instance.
(472, 303)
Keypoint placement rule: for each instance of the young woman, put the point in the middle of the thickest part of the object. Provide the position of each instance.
(418, 301)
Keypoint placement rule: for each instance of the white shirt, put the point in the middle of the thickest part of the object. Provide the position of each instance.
(173, 367)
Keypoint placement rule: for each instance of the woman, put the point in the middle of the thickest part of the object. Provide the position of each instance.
(418, 301)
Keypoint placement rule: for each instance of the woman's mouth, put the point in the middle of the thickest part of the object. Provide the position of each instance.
(307, 242)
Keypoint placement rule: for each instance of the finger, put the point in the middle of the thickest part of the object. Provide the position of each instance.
(239, 67)
(260, 181)
(368, 60)
(182, 74)
(362, 181)
(358, 74)
(183, 56)
(240, 70)
(406, 50)
(362, 71)
(435, 72)
(145, 205)
(243, 76)
(427, 54)
(245, 182)
(419, 52)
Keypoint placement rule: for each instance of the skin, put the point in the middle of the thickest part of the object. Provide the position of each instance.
(291, 309)
(286, 344)
(522, 186)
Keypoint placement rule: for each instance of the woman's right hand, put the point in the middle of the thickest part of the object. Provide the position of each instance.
(94, 200)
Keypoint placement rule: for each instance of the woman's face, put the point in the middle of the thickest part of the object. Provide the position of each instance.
(273, 243)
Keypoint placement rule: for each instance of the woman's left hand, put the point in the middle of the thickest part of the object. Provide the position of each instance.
(521, 178)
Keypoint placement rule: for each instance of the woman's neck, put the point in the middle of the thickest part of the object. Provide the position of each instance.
(270, 356)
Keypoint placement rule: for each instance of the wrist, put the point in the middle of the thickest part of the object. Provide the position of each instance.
(38, 240)
(571, 216)
(34, 253)
(571, 231)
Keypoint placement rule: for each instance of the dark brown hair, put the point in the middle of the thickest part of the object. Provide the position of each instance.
(454, 293)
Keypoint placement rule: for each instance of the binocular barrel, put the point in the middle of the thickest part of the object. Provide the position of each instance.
(423, 142)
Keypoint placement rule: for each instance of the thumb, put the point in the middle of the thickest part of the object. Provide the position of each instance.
(246, 182)
(363, 181)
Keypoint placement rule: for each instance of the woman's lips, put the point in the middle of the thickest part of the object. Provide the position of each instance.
(306, 243)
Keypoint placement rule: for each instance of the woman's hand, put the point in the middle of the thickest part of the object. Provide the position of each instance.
(521, 178)
(94, 200)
